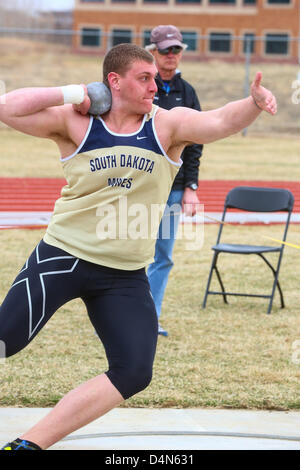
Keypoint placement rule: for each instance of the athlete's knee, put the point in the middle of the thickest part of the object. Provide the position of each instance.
(9, 346)
(131, 379)
(140, 378)
(12, 339)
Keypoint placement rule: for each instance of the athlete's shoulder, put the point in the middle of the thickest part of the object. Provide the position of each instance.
(170, 115)
(161, 112)
(75, 124)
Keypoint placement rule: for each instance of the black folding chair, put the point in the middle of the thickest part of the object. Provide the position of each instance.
(252, 199)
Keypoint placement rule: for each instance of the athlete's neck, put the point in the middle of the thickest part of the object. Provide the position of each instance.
(122, 123)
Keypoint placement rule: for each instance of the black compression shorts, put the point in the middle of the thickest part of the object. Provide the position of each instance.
(119, 305)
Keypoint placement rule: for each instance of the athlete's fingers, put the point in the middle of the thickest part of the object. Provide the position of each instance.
(258, 79)
(83, 107)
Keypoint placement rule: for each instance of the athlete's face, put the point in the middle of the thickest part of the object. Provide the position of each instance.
(138, 86)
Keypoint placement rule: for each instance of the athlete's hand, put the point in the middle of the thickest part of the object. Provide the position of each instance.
(263, 97)
(83, 108)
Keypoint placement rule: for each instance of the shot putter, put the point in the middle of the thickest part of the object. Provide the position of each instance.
(100, 97)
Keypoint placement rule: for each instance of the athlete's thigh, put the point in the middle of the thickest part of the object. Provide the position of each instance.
(126, 322)
(47, 280)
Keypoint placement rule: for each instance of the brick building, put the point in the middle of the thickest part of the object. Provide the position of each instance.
(212, 28)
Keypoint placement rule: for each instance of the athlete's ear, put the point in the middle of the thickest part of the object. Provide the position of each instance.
(114, 81)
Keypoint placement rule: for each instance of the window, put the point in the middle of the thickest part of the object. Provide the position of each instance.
(155, 1)
(91, 37)
(222, 2)
(249, 43)
(123, 1)
(279, 2)
(146, 37)
(249, 2)
(190, 38)
(276, 44)
(220, 42)
(119, 36)
(188, 1)
(90, 1)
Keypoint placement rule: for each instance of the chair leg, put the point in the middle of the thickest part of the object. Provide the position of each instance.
(209, 280)
(221, 284)
(212, 269)
(275, 283)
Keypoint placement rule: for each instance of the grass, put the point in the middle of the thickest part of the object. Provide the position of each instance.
(233, 356)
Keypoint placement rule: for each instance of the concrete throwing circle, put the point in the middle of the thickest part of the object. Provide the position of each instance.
(182, 440)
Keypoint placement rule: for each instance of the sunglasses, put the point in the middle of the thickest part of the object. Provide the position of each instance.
(174, 49)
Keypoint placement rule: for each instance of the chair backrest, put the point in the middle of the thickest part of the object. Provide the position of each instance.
(259, 199)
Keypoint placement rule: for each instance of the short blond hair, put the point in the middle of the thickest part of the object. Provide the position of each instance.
(120, 58)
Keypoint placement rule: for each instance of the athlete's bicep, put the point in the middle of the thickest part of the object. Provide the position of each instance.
(45, 123)
(195, 127)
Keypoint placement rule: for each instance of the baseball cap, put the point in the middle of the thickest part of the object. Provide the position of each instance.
(164, 36)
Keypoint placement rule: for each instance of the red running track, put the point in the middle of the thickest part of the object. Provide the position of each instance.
(40, 194)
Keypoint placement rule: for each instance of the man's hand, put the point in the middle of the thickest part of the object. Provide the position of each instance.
(190, 202)
(263, 98)
(83, 108)
(97, 99)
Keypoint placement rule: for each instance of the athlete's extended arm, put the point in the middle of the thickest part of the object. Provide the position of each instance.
(37, 111)
(205, 127)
